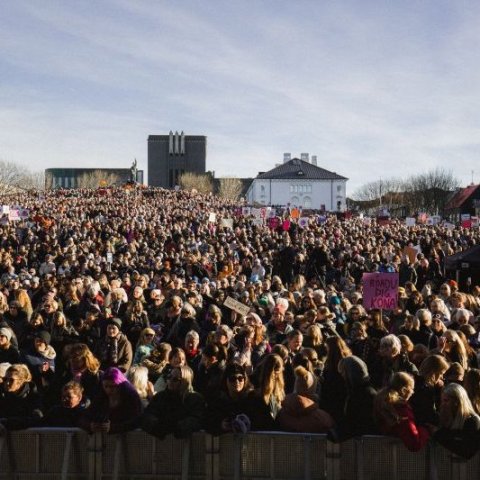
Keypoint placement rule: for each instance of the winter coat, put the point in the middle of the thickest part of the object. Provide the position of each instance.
(168, 413)
(123, 418)
(9, 355)
(413, 436)
(302, 414)
(21, 409)
(425, 402)
(60, 416)
(115, 352)
(222, 407)
(464, 442)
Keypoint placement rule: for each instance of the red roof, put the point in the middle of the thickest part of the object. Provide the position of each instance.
(461, 197)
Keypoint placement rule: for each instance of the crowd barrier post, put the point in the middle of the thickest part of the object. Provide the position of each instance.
(212, 457)
(333, 456)
(307, 450)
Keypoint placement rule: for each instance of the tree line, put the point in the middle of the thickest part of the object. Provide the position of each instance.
(423, 192)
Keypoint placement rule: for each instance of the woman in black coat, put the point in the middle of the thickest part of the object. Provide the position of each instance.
(459, 429)
(425, 400)
(228, 401)
(358, 408)
(20, 403)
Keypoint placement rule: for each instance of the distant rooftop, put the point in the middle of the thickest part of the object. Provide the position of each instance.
(296, 168)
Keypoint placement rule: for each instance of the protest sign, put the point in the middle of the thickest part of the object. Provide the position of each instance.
(303, 222)
(227, 222)
(286, 225)
(236, 306)
(295, 213)
(212, 217)
(410, 221)
(5, 209)
(380, 290)
(466, 220)
(411, 253)
(14, 214)
(258, 222)
(273, 223)
(246, 211)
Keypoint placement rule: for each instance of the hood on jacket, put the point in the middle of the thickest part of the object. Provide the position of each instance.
(355, 372)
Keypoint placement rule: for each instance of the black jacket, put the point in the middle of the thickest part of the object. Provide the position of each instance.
(22, 409)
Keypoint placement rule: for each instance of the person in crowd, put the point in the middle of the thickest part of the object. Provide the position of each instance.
(116, 409)
(157, 361)
(394, 414)
(208, 376)
(428, 387)
(138, 377)
(471, 383)
(357, 418)
(145, 345)
(40, 359)
(389, 361)
(20, 403)
(114, 349)
(333, 388)
(80, 366)
(229, 402)
(459, 424)
(265, 402)
(178, 409)
(71, 408)
(176, 358)
(8, 353)
(300, 411)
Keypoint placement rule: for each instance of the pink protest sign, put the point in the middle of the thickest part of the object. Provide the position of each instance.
(380, 290)
(273, 223)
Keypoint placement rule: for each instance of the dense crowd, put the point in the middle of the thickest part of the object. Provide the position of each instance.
(113, 317)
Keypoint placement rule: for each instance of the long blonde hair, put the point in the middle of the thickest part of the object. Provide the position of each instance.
(271, 382)
(459, 409)
(384, 410)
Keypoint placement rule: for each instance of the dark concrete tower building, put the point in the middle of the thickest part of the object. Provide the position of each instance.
(171, 155)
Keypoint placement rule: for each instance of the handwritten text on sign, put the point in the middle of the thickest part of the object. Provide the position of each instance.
(380, 290)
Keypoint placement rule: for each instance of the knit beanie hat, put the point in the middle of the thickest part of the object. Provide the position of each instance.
(6, 332)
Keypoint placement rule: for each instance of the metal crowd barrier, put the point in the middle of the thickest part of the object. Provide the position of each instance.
(61, 454)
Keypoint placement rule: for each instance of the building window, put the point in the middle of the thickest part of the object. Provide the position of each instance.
(307, 202)
(339, 188)
(262, 189)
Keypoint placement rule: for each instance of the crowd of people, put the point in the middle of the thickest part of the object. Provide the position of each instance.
(113, 317)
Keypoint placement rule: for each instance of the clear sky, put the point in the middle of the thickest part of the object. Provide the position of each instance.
(373, 88)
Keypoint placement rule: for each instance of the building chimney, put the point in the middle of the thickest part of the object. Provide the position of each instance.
(304, 157)
(287, 157)
(170, 143)
(182, 143)
(314, 160)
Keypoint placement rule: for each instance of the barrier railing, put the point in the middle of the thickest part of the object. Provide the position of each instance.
(43, 454)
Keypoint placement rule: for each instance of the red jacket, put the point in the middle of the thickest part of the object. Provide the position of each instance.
(414, 436)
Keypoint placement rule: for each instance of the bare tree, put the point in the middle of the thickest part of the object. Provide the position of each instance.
(10, 177)
(33, 180)
(230, 188)
(97, 178)
(429, 191)
(202, 183)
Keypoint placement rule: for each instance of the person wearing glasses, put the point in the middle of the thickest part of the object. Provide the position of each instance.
(177, 410)
(20, 403)
(229, 401)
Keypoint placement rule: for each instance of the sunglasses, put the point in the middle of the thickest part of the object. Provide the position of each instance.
(236, 378)
(150, 335)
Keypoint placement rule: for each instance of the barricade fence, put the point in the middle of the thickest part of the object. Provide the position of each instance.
(54, 454)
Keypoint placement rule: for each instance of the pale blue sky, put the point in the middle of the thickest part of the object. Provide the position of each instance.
(372, 88)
